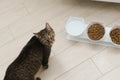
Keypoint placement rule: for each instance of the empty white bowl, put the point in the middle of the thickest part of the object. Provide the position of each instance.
(75, 27)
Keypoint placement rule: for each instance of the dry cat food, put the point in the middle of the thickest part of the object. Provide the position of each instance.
(96, 31)
(115, 36)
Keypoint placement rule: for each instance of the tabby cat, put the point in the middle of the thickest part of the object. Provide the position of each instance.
(33, 55)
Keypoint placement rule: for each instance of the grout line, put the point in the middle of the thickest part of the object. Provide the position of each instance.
(25, 8)
(76, 44)
(65, 49)
(6, 43)
(96, 66)
(16, 19)
(114, 22)
(9, 40)
(16, 38)
(8, 9)
(80, 64)
(71, 68)
(11, 33)
(100, 51)
(109, 71)
(41, 11)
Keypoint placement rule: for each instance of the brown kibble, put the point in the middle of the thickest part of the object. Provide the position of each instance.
(96, 31)
(115, 36)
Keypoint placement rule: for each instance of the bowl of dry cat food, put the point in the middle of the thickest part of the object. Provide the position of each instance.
(95, 31)
(115, 35)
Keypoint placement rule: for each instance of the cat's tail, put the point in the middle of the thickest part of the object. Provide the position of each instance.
(38, 78)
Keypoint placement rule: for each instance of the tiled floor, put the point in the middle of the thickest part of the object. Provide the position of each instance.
(69, 60)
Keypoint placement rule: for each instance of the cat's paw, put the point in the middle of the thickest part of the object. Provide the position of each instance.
(45, 67)
(38, 78)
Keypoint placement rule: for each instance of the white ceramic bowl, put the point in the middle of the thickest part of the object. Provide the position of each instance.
(75, 26)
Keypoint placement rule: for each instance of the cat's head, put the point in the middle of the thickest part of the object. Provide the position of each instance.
(46, 36)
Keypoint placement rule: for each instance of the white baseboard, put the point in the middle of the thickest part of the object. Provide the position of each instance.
(116, 1)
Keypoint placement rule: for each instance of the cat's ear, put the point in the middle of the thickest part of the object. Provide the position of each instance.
(47, 26)
(36, 34)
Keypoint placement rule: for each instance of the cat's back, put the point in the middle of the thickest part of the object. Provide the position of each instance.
(32, 48)
(27, 63)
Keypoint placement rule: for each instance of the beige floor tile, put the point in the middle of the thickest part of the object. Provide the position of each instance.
(114, 23)
(6, 5)
(2, 71)
(107, 59)
(61, 43)
(113, 75)
(33, 6)
(5, 36)
(85, 71)
(12, 49)
(106, 16)
(36, 5)
(12, 15)
(69, 59)
(23, 25)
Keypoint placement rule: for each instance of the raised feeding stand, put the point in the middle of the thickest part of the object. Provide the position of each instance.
(77, 31)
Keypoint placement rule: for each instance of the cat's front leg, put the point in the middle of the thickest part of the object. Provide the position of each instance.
(45, 61)
(45, 65)
(46, 58)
